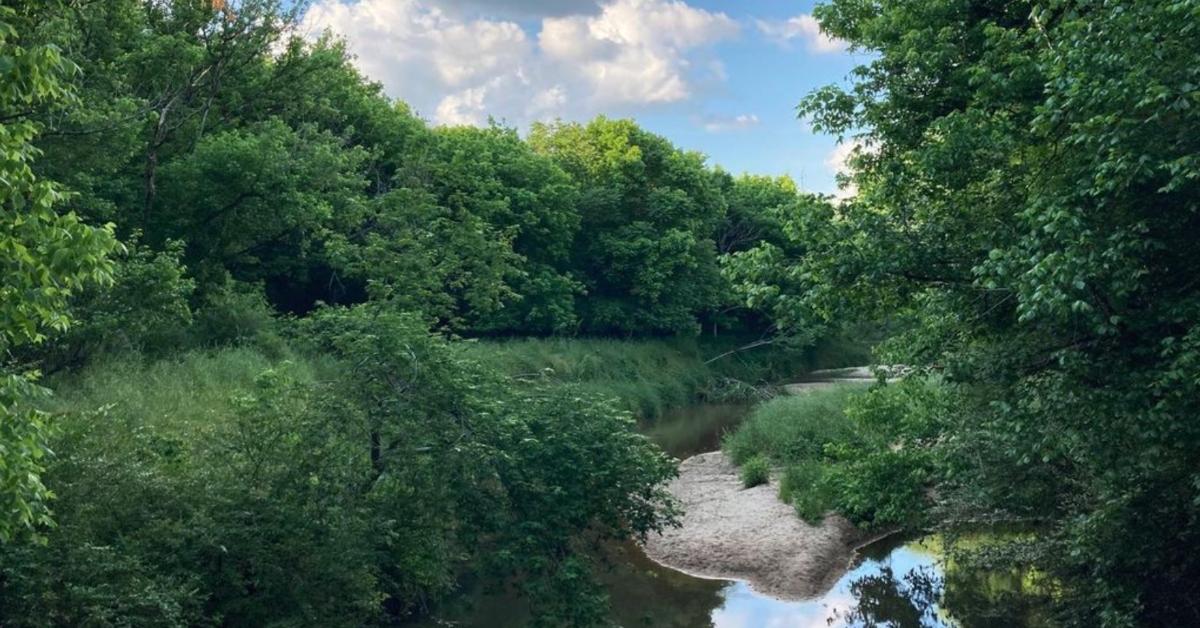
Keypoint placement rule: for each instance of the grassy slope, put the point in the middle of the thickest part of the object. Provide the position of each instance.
(185, 393)
(650, 376)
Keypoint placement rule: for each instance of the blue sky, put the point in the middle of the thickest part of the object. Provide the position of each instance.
(722, 78)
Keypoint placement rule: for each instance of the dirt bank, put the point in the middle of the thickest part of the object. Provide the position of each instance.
(748, 534)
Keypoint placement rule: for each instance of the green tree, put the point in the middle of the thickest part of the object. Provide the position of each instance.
(1027, 200)
(254, 203)
(648, 215)
(45, 256)
(527, 201)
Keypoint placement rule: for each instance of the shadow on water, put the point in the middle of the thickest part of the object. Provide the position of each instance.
(692, 430)
(896, 583)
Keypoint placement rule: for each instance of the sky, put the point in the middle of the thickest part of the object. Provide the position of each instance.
(719, 77)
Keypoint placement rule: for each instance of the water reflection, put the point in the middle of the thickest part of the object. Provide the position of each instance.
(698, 429)
(898, 584)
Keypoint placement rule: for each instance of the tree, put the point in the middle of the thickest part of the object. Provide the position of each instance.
(648, 215)
(526, 200)
(254, 203)
(45, 256)
(1028, 200)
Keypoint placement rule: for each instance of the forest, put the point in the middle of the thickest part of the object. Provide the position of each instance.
(277, 351)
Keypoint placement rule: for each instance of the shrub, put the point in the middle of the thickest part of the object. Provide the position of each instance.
(756, 471)
(237, 313)
(806, 487)
(863, 453)
(145, 310)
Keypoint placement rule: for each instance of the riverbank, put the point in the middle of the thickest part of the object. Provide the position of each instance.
(651, 376)
(735, 533)
(751, 534)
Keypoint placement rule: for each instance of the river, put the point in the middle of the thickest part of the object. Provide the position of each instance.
(896, 583)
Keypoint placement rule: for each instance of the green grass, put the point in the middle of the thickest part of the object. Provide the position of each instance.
(787, 430)
(183, 398)
(793, 433)
(805, 485)
(756, 471)
(839, 450)
(650, 376)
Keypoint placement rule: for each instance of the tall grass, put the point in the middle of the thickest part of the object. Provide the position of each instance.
(183, 397)
(793, 433)
(649, 376)
(788, 430)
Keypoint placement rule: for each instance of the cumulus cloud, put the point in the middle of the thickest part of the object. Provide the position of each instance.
(525, 8)
(720, 124)
(802, 27)
(635, 51)
(838, 162)
(630, 53)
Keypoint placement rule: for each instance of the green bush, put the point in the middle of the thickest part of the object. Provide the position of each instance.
(237, 313)
(756, 471)
(145, 310)
(862, 453)
(805, 486)
(358, 480)
(880, 489)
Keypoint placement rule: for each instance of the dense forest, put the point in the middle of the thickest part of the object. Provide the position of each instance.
(248, 275)
(276, 351)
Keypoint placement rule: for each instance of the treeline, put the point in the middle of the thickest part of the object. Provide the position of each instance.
(244, 270)
(259, 162)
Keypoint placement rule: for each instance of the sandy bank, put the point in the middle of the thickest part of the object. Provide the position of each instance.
(748, 534)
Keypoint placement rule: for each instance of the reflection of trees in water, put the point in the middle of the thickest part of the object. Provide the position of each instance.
(644, 593)
(924, 598)
(882, 599)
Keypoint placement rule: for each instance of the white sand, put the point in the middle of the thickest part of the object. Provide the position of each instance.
(735, 533)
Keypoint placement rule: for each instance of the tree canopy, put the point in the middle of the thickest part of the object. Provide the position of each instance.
(1026, 208)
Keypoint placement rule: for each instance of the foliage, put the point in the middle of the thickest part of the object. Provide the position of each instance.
(646, 376)
(45, 257)
(526, 200)
(804, 485)
(147, 308)
(756, 471)
(648, 214)
(235, 313)
(343, 488)
(251, 201)
(793, 428)
(844, 449)
(1026, 202)
(236, 446)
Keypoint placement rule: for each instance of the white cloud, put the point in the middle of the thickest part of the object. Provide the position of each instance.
(635, 51)
(465, 107)
(719, 124)
(804, 27)
(632, 53)
(525, 8)
(838, 162)
(421, 54)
